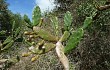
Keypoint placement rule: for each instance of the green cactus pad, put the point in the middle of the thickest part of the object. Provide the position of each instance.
(67, 20)
(64, 36)
(49, 46)
(44, 34)
(8, 45)
(74, 40)
(55, 26)
(8, 40)
(87, 22)
(36, 16)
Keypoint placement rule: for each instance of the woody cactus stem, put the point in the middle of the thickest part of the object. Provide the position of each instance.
(59, 47)
(60, 50)
(62, 57)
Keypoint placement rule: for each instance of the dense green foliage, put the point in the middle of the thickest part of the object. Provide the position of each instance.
(5, 23)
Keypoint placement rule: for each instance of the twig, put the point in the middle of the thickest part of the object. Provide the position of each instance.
(101, 8)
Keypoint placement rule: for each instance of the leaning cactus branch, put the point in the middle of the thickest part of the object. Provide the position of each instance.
(44, 34)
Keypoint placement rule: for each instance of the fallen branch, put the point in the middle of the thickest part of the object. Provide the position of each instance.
(3, 61)
(101, 8)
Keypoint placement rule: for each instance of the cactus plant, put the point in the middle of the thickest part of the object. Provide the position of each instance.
(8, 40)
(48, 40)
(77, 35)
(11, 39)
(8, 45)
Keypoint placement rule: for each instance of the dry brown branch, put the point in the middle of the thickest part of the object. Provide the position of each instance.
(101, 8)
